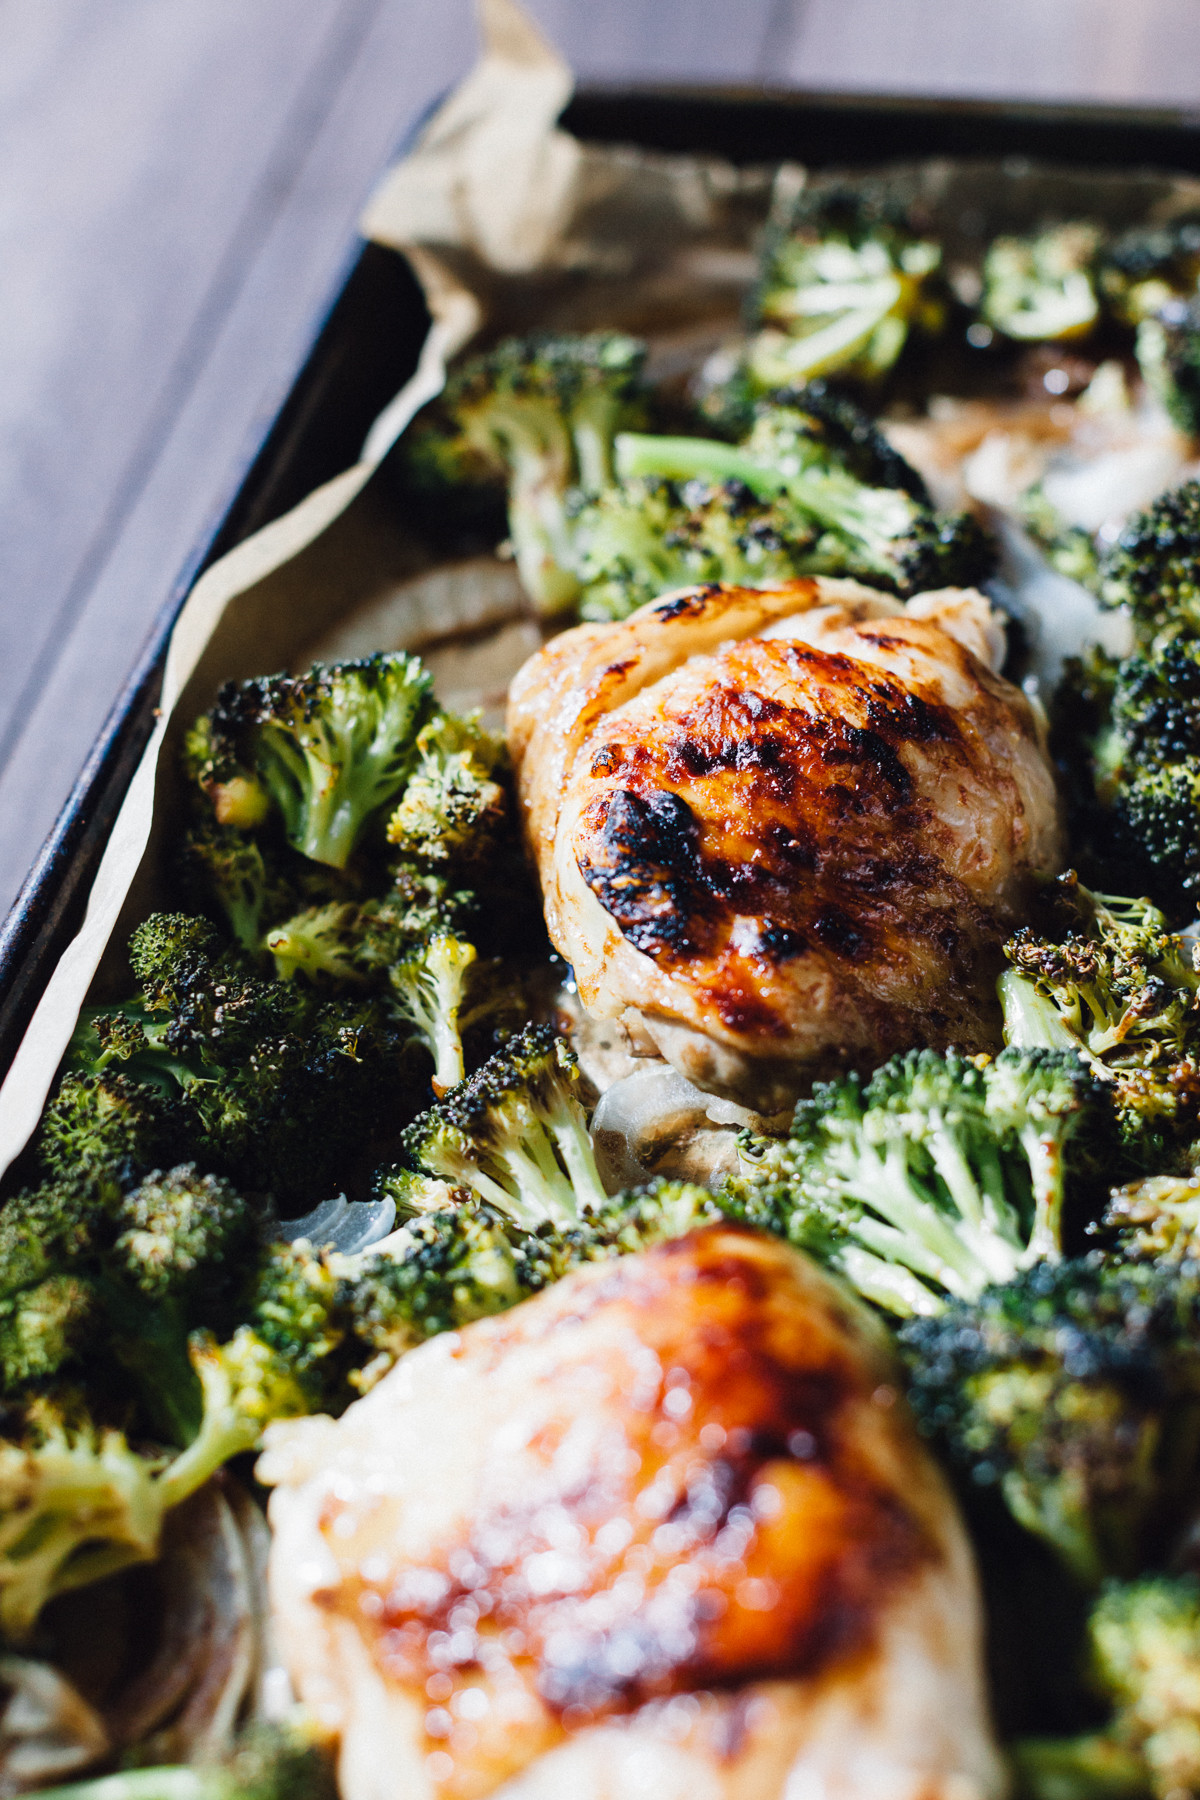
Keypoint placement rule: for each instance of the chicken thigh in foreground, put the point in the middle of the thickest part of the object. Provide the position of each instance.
(781, 830)
(664, 1530)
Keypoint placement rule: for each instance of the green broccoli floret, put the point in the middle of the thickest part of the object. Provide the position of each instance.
(1144, 1641)
(76, 1503)
(1155, 1220)
(515, 1134)
(1147, 767)
(236, 871)
(692, 509)
(1068, 548)
(245, 1384)
(284, 1761)
(329, 750)
(940, 1175)
(1168, 353)
(45, 1327)
(1114, 984)
(1043, 288)
(1074, 1388)
(817, 427)
(281, 1083)
(469, 1260)
(648, 536)
(1148, 265)
(179, 1231)
(842, 282)
(101, 1127)
(1153, 569)
(452, 805)
(321, 943)
(544, 410)
(294, 1311)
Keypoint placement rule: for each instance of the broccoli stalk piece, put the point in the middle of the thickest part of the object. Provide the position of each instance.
(1073, 1388)
(429, 988)
(939, 1176)
(842, 282)
(544, 410)
(329, 750)
(1144, 1639)
(1153, 569)
(830, 522)
(1123, 991)
(1043, 289)
(514, 1134)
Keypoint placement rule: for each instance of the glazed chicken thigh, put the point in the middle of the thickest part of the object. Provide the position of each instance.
(664, 1532)
(781, 830)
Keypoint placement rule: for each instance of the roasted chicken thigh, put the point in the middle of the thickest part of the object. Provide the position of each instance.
(664, 1531)
(782, 829)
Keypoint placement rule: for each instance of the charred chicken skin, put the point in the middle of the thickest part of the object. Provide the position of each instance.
(664, 1530)
(781, 830)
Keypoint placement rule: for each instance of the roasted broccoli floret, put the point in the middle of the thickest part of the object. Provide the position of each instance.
(1075, 1387)
(469, 1259)
(1149, 265)
(1153, 569)
(236, 872)
(1068, 548)
(648, 536)
(1155, 1220)
(1147, 768)
(180, 1231)
(842, 282)
(76, 1503)
(1042, 288)
(99, 1127)
(278, 1761)
(515, 1134)
(452, 805)
(329, 750)
(1144, 1641)
(940, 1175)
(1168, 353)
(544, 410)
(1114, 984)
(693, 509)
(281, 1083)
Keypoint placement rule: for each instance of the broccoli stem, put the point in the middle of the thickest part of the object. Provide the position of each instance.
(686, 459)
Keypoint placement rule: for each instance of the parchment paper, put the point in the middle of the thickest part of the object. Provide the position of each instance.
(508, 222)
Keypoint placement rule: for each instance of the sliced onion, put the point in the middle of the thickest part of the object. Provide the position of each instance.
(345, 1225)
(654, 1122)
(47, 1729)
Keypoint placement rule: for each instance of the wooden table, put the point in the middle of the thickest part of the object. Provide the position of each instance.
(179, 183)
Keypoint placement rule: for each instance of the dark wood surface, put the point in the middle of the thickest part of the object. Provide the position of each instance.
(179, 183)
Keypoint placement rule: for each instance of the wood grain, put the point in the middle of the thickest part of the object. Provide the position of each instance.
(178, 188)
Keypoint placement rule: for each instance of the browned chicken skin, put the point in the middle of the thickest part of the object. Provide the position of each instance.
(778, 830)
(673, 1509)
